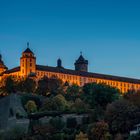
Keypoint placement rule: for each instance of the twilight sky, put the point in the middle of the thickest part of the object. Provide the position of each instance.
(106, 31)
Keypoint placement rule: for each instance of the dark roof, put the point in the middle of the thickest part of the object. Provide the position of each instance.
(16, 69)
(28, 51)
(79, 73)
(2, 65)
(87, 74)
(81, 59)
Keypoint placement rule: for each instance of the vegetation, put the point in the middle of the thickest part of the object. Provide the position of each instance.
(110, 116)
(31, 107)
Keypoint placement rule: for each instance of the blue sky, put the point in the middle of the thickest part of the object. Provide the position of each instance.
(106, 31)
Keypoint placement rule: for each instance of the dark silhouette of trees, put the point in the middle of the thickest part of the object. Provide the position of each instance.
(72, 92)
(99, 94)
(9, 85)
(47, 86)
(121, 116)
(99, 131)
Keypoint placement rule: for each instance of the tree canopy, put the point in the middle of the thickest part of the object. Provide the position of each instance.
(99, 94)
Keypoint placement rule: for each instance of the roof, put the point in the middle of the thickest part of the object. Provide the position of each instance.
(2, 63)
(79, 73)
(87, 74)
(81, 59)
(28, 50)
(16, 69)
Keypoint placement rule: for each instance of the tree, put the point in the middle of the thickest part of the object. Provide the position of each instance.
(79, 106)
(10, 85)
(29, 85)
(81, 136)
(99, 94)
(121, 116)
(55, 85)
(43, 88)
(61, 102)
(57, 102)
(31, 106)
(72, 92)
(99, 131)
(57, 123)
(133, 97)
(134, 137)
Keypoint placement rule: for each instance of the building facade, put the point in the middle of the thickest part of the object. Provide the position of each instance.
(79, 76)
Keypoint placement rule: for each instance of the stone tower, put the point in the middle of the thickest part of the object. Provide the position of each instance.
(81, 64)
(3, 68)
(27, 62)
(59, 63)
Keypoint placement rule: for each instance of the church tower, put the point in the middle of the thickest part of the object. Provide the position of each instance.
(3, 68)
(81, 64)
(27, 62)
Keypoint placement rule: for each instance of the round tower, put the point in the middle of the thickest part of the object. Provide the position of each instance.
(59, 63)
(81, 64)
(27, 62)
(3, 68)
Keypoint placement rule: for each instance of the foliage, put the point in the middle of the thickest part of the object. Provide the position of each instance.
(15, 133)
(58, 103)
(133, 97)
(71, 122)
(47, 86)
(57, 123)
(10, 84)
(118, 137)
(79, 106)
(27, 97)
(61, 102)
(134, 137)
(31, 107)
(99, 131)
(99, 94)
(122, 116)
(29, 85)
(81, 136)
(42, 88)
(72, 92)
(44, 131)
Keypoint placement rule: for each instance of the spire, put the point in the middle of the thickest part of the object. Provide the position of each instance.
(81, 59)
(28, 44)
(28, 50)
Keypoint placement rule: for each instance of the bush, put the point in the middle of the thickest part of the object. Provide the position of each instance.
(71, 123)
(31, 107)
(57, 123)
(27, 97)
(16, 133)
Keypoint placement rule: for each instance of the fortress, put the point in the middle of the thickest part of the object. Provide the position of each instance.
(79, 76)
